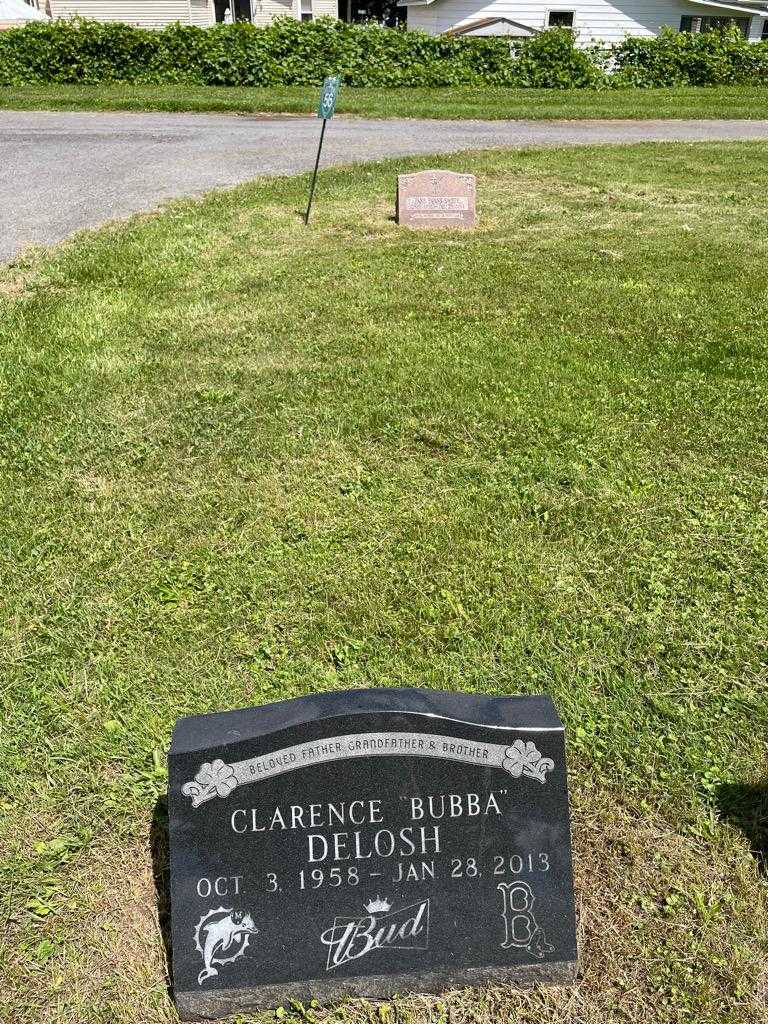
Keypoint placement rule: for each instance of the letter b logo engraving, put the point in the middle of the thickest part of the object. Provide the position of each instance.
(520, 928)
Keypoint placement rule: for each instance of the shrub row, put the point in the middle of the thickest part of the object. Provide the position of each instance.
(289, 52)
(680, 58)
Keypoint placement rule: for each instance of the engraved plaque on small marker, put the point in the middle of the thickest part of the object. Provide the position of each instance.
(368, 842)
(436, 199)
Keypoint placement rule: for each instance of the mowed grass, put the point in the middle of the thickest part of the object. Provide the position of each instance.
(742, 102)
(244, 460)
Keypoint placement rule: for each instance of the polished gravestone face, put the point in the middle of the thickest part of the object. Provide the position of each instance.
(368, 842)
(436, 199)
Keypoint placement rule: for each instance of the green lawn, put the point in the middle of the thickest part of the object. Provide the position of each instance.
(736, 102)
(245, 460)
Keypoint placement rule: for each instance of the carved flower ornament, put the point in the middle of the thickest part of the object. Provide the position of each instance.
(214, 779)
(523, 758)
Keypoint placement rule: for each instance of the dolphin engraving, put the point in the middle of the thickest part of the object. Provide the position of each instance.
(223, 929)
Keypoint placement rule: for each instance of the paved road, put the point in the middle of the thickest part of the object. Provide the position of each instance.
(64, 171)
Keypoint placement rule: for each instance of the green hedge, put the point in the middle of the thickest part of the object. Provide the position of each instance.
(680, 58)
(288, 52)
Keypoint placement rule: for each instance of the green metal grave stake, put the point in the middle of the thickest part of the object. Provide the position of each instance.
(328, 96)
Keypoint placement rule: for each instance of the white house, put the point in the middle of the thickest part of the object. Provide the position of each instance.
(144, 13)
(593, 20)
(15, 13)
(606, 21)
(156, 13)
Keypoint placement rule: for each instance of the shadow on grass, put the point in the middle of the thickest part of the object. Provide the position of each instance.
(161, 872)
(746, 807)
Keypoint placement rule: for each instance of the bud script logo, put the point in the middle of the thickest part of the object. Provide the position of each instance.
(350, 938)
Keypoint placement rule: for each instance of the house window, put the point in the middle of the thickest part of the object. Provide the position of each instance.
(765, 30)
(306, 10)
(712, 23)
(560, 19)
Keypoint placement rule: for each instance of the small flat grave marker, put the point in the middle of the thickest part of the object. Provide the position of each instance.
(436, 199)
(365, 843)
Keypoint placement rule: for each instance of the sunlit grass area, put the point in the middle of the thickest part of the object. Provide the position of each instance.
(244, 460)
(464, 102)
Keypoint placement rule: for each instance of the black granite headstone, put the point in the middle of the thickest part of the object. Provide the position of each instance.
(367, 843)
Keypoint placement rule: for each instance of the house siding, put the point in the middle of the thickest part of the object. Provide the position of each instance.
(595, 20)
(265, 11)
(201, 13)
(144, 13)
(156, 13)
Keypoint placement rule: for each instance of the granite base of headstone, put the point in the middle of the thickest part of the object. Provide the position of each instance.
(436, 199)
(368, 843)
